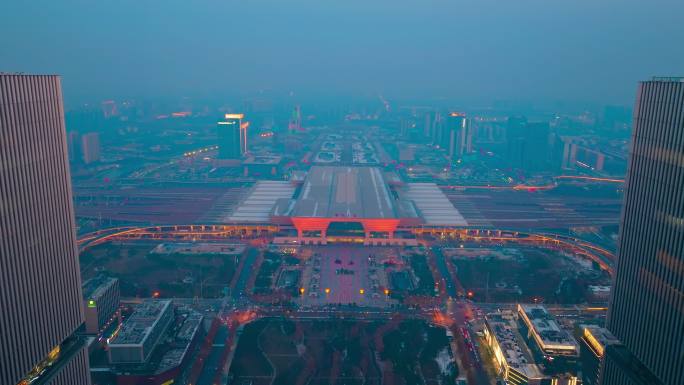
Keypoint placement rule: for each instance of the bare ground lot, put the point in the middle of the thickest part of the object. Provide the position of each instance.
(142, 273)
(527, 275)
(341, 352)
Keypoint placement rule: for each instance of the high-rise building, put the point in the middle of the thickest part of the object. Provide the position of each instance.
(90, 147)
(620, 366)
(295, 124)
(232, 134)
(529, 145)
(427, 127)
(101, 303)
(537, 152)
(109, 109)
(460, 135)
(593, 342)
(73, 146)
(515, 140)
(40, 284)
(405, 125)
(140, 333)
(647, 306)
(437, 130)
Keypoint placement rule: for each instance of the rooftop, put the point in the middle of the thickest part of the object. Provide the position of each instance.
(598, 338)
(546, 327)
(667, 79)
(263, 160)
(514, 351)
(260, 201)
(433, 206)
(183, 340)
(95, 287)
(190, 326)
(351, 192)
(139, 325)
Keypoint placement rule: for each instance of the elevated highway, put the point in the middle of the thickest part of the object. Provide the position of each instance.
(220, 232)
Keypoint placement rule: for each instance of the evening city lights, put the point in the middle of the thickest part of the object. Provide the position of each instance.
(303, 192)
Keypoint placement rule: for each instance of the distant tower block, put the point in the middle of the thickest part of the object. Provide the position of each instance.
(109, 109)
(295, 124)
(232, 134)
(90, 147)
(243, 137)
(460, 136)
(427, 128)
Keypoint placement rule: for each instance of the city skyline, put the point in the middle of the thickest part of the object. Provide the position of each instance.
(352, 191)
(435, 192)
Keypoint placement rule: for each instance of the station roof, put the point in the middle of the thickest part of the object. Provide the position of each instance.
(260, 201)
(349, 192)
(433, 206)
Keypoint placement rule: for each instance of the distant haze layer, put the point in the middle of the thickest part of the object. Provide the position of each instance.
(477, 50)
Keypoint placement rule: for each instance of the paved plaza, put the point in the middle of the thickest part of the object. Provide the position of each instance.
(346, 275)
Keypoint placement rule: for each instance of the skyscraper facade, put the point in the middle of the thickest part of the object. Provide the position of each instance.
(440, 135)
(40, 284)
(537, 146)
(647, 308)
(427, 127)
(529, 144)
(295, 124)
(515, 138)
(73, 146)
(460, 135)
(232, 134)
(90, 147)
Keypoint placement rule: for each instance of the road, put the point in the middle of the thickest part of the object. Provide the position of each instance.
(454, 312)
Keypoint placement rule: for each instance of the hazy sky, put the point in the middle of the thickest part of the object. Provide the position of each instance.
(536, 50)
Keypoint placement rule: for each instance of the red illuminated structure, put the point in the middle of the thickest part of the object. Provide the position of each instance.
(346, 204)
(371, 226)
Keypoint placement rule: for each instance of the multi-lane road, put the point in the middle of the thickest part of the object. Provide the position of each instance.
(454, 312)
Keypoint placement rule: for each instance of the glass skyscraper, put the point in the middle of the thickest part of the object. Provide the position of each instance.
(647, 308)
(40, 284)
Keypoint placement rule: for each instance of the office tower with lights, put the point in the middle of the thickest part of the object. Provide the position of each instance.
(593, 342)
(460, 140)
(437, 133)
(232, 134)
(101, 300)
(647, 306)
(40, 284)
